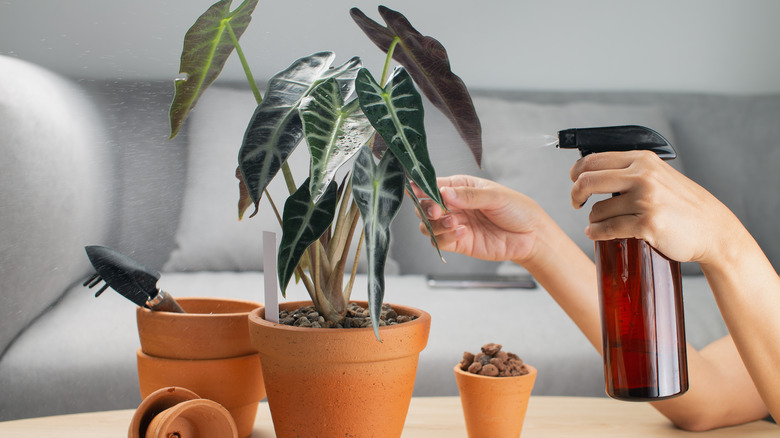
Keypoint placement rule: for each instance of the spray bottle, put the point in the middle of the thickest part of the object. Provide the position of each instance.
(640, 290)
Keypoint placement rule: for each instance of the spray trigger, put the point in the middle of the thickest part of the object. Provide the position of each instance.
(616, 138)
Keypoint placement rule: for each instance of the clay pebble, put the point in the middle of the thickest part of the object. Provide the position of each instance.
(491, 361)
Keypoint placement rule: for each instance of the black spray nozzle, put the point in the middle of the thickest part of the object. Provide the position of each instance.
(616, 138)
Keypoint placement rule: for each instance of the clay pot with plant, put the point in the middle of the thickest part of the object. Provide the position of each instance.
(380, 133)
(310, 100)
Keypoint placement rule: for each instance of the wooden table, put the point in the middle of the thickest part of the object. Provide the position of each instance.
(433, 417)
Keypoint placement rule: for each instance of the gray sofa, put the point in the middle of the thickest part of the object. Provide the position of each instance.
(89, 162)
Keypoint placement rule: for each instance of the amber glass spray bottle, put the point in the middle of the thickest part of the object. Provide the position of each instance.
(640, 290)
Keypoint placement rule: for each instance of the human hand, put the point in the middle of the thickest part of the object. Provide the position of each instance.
(485, 219)
(673, 214)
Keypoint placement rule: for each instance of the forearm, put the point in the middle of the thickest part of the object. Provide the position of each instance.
(747, 290)
(733, 380)
(569, 276)
(721, 390)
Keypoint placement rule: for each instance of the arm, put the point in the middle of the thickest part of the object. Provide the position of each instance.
(492, 222)
(686, 223)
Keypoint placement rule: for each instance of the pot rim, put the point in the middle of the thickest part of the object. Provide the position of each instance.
(422, 317)
(157, 402)
(140, 354)
(256, 305)
(339, 345)
(531, 373)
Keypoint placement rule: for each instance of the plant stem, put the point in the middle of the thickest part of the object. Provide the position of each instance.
(386, 69)
(244, 64)
(348, 289)
(273, 206)
(288, 178)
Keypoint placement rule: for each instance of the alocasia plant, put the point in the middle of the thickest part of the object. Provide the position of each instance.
(381, 132)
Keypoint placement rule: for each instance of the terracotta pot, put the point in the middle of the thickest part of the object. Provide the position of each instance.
(494, 406)
(339, 382)
(180, 412)
(212, 328)
(207, 351)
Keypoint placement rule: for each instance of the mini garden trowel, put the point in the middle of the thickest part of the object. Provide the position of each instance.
(131, 279)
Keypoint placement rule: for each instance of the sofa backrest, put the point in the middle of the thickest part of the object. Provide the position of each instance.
(725, 143)
(728, 144)
(56, 184)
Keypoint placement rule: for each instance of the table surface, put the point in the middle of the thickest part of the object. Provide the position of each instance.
(433, 417)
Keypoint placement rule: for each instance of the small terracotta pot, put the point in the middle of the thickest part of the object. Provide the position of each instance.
(212, 328)
(206, 350)
(180, 412)
(155, 403)
(339, 382)
(200, 417)
(494, 406)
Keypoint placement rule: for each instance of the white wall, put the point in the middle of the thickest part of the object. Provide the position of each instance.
(728, 46)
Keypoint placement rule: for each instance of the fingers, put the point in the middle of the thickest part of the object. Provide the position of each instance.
(448, 181)
(607, 208)
(447, 232)
(598, 182)
(474, 198)
(639, 177)
(442, 225)
(611, 172)
(461, 192)
(602, 161)
(432, 210)
(618, 227)
(618, 217)
(453, 181)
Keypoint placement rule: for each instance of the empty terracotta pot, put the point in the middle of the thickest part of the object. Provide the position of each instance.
(179, 412)
(206, 350)
(339, 382)
(494, 406)
(212, 328)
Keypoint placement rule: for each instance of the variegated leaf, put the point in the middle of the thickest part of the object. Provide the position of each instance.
(396, 112)
(303, 222)
(378, 191)
(333, 132)
(207, 46)
(275, 128)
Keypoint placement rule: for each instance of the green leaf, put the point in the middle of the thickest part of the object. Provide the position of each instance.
(334, 133)
(426, 60)
(396, 112)
(207, 46)
(275, 128)
(423, 217)
(378, 191)
(303, 222)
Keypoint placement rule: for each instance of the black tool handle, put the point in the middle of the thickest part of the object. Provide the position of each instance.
(164, 302)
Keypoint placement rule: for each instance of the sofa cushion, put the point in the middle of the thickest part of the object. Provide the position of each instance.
(56, 179)
(210, 236)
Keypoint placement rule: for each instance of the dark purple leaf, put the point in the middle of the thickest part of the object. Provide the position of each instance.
(427, 62)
